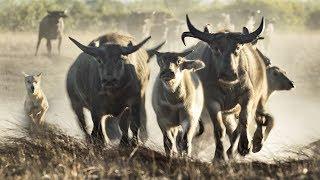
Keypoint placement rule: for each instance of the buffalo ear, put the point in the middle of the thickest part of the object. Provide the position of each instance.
(130, 44)
(245, 30)
(193, 65)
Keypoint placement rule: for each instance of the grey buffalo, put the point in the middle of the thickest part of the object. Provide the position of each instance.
(234, 75)
(108, 79)
(277, 81)
(177, 99)
(51, 28)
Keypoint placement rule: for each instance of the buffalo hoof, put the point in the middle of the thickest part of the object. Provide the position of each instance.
(230, 153)
(134, 142)
(143, 136)
(219, 157)
(243, 147)
(88, 139)
(124, 143)
(256, 147)
(243, 151)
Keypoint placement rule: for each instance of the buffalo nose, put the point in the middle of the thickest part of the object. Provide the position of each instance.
(229, 75)
(167, 74)
(32, 88)
(109, 81)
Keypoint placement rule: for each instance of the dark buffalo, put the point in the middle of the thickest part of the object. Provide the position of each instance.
(234, 75)
(51, 28)
(107, 79)
(111, 126)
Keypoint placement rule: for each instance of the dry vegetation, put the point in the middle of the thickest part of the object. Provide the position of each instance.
(48, 153)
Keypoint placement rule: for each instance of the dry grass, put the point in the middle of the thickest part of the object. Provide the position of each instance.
(49, 153)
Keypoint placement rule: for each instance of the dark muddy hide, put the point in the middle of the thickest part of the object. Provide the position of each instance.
(234, 74)
(107, 79)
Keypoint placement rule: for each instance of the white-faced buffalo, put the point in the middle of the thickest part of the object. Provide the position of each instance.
(51, 28)
(177, 99)
(107, 79)
(234, 75)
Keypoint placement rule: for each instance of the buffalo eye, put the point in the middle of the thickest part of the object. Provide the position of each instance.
(237, 51)
(178, 61)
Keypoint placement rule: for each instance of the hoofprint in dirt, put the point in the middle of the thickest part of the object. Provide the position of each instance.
(296, 109)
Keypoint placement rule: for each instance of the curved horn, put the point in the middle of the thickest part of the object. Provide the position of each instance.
(185, 53)
(205, 29)
(151, 52)
(197, 33)
(93, 51)
(132, 48)
(186, 34)
(248, 38)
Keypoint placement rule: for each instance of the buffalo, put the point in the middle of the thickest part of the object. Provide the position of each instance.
(234, 75)
(51, 27)
(107, 79)
(177, 99)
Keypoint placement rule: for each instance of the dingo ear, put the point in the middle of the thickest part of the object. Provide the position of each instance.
(24, 74)
(39, 75)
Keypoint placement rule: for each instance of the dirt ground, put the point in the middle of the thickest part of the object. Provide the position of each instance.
(296, 112)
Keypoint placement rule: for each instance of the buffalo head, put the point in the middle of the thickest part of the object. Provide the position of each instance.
(111, 60)
(278, 79)
(227, 46)
(172, 66)
(58, 14)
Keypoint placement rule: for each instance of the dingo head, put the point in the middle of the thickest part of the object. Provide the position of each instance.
(32, 83)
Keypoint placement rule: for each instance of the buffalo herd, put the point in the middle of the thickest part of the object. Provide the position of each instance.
(224, 74)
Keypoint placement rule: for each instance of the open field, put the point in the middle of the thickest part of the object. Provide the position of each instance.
(296, 114)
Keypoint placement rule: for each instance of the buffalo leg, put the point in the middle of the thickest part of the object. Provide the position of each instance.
(143, 116)
(97, 133)
(49, 46)
(214, 110)
(167, 144)
(59, 44)
(269, 123)
(82, 122)
(124, 126)
(189, 137)
(230, 132)
(259, 137)
(244, 119)
(135, 123)
(38, 44)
